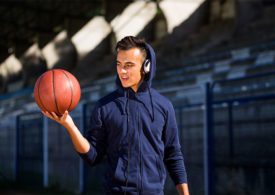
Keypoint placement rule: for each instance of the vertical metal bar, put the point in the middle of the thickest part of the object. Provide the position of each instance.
(181, 126)
(230, 131)
(16, 152)
(45, 152)
(208, 142)
(82, 178)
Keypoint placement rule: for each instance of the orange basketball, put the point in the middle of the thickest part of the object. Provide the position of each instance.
(57, 91)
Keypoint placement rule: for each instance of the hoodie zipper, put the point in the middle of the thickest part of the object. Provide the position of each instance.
(139, 148)
(140, 157)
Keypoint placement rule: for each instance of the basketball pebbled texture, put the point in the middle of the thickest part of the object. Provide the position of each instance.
(56, 91)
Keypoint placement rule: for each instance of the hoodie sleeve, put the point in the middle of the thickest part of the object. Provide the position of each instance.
(173, 157)
(96, 137)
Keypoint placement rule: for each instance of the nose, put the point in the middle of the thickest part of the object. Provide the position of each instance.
(123, 70)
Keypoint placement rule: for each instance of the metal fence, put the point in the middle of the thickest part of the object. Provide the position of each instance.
(29, 149)
(240, 126)
(227, 142)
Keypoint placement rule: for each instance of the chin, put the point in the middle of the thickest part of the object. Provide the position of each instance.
(126, 86)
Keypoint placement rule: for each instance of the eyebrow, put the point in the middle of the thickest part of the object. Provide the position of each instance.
(125, 62)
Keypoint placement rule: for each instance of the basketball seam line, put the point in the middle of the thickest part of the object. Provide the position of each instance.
(55, 96)
(71, 87)
(39, 93)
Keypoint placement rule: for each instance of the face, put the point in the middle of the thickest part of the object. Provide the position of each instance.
(129, 64)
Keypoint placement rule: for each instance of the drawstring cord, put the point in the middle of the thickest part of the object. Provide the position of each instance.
(152, 105)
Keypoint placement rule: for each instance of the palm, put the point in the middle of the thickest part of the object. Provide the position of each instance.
(65, 119)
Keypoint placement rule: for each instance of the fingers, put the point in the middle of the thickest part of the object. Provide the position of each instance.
(47, 114)
(53, 115)
(64, 116)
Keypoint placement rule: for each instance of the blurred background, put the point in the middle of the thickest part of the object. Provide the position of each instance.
(215, 62)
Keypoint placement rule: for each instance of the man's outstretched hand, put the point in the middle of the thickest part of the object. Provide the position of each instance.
(65, 120)
(80, 143)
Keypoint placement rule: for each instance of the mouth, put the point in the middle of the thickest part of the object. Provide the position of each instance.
(124, 78)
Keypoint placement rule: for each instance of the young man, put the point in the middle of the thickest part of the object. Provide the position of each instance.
(134, 126)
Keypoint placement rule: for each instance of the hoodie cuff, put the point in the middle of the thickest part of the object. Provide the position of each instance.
(176, 167)
(89, 156)
(180, 181)
(180, 177)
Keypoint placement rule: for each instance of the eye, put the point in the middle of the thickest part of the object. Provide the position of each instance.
(130, 65)
(127, 66)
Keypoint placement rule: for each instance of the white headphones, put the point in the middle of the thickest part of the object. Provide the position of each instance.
(146, 66)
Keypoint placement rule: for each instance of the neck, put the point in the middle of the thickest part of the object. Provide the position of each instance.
(136, 87)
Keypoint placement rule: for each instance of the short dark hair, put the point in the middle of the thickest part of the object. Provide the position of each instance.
(130, 42)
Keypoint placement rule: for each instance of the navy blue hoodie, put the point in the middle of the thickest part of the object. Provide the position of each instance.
(139, 135)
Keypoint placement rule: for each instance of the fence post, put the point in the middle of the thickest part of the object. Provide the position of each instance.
(82, 179)
(180, 124)
(45, 152)
(231, 131)
(16, 152)
(208, 142)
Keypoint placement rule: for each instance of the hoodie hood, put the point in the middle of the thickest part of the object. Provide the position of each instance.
(145, 85)
(147, 82)
(152, 57)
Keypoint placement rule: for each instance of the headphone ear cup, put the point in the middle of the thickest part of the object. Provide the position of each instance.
(146, 66)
